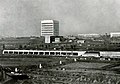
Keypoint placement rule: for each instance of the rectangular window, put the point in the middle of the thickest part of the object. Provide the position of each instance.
(5, 52)
(63, 53)
(31, 53)
(46, 53)
(52, 53)
(15, 52)
(47, 32)
(69, 53)
(36, 53)
(41, 53)
(25, 52)
(47, 23)
(50, 28)
(11, 52)
(20, 52)
(75, 53)
(57, 53)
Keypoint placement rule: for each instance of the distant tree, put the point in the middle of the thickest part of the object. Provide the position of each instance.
(25, 47)
(20, 46)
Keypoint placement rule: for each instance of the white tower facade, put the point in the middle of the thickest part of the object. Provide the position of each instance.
(49, 28)
(115, 34)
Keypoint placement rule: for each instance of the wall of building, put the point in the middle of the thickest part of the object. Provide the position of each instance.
(49, 28)
(115, 34)
(56, 39)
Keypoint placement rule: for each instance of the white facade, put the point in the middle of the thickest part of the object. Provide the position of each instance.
(105, 54)
(115, 34)
(80, 41)
(49, 28)
(88, 35)
(42, 52)
(110, 54)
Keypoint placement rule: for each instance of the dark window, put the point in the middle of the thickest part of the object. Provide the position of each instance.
(35, 53)
(30, 52)
(15, 52)
(69, 53)
(25, 52)
(20, 52)
(10, 52)
(63, 53)
(47, 23)
(75, 53)
(52, 53)
(41, 53)
(5, 52)
(46, 53)
(57, 53)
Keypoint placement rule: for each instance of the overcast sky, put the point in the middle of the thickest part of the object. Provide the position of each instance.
(22, 17)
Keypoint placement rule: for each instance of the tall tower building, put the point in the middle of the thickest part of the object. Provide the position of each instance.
(49, 28)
